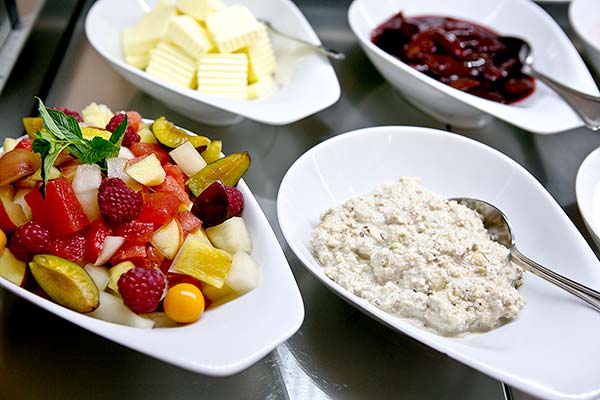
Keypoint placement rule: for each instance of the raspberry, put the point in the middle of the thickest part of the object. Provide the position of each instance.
(236, 201)
(33, 236)
(17, 248)
(141, 289)
(71, 247)
(74, 114)
(130, 137)
(118, 203)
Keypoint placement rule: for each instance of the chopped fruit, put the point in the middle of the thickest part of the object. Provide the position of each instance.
(143, 149)
(231, 236)
(111, 245)
(212, 205)
(96, 235)
(236, 201)
(202, 261)
(171, 136)
(33, 236)
(184, 303)
(188, 158)
(33, 125)
(146, 135)
(117, 202)
(86, 181)
(159, 208)
(25, 143)
(60, 211)
(189, 222)
(53, 173)
(97, 115)
(114, 273)
(141, 289)
(90, 132)
(175, 279)
(176, 173)
(112, 309)
(9, 144)
(11, 213)
(136, 253)
(218, 296)
(147, 170)
(65, 282)
(3, 240)
(135, 231)
(130, 137)
(19, 251)
(228, 170)
(115, 167)
(12, 268)
(70, 247)
(244, 273)
(99, 274)
(72, 113)
(20, 200)
(212, 152)
(134, 119)
(170, 185)
(17, 164)
(154, 258)
(168, 239)
(201, 234)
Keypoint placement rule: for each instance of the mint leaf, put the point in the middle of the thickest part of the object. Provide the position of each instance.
(117, 136)
(100, 150)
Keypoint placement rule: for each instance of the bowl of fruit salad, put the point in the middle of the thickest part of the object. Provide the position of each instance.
(216, 61)
(143, 233)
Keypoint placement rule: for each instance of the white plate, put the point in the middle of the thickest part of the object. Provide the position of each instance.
(551, 349)
(587, 189)
(228, 338)
(307, 81)
(542, 112)
(584, 16)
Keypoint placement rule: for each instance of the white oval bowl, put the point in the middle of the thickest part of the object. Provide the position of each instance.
(306, 80)
(584, 16)
(226, 339)
(587, 189)
(554, 333)
(542, 112)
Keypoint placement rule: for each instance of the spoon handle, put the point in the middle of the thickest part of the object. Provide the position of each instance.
(585, 293)
(334, 54)
(586, 106)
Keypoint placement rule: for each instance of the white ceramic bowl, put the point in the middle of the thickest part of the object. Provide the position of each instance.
(226, 339)
(587, 189)
(551, 349)
(306, 80)
(542, 112)
(584, 16)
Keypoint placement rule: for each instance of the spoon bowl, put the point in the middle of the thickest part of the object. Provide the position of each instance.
(496, 223)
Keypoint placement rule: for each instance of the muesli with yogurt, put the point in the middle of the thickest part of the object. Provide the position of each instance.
(417, 255)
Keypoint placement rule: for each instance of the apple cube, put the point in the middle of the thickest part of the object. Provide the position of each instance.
(112, 309)
(125, 153)
(11, 213)
(116, 169)
(231, 236)
(9, 144)
(109, 248)
(168, 239)
(148, 171)
(188, 158)
(244, 273)
(12, 269)
(202, 261)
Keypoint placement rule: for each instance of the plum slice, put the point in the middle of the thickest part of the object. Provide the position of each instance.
(212, 205)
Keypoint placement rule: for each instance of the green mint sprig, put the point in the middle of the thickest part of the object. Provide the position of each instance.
(62, 132)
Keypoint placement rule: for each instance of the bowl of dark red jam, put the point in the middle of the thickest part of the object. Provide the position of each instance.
(461, 54)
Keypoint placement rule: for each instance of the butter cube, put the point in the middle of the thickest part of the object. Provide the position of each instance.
(186, 33)
(223, 75)
(170, 63)
(260, 57)
(139, 61)
(139, 39)
(261, 88)
(198, 9)
(232, 28)
(216, 5)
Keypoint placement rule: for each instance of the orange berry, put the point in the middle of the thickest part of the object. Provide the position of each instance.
(184, 303)
(2, 240)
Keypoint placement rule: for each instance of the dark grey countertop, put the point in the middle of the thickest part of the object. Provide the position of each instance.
(339, 353)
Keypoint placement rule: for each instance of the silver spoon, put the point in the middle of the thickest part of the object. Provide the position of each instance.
(497, 225)
(334, 54)
(586, 106)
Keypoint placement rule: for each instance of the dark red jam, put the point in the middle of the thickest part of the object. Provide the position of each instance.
(461, 54)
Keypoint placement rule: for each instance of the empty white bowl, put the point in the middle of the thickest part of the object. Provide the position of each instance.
(306, 80)
(585, 20)
(587, 188)
(542, 112)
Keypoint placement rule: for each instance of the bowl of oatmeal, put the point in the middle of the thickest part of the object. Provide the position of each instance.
(514, 322)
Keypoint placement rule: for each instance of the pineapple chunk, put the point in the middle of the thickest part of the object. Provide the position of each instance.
(201, 234)
(90, 132)
(202, 261)
(168, 239)
(146, 135)
(231, 236)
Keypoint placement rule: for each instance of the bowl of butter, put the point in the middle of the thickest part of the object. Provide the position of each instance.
(216, 62)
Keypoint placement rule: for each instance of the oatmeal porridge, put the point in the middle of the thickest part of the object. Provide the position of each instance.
(417, 255)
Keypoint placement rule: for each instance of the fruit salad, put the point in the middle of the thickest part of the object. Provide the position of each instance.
(130, 222)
